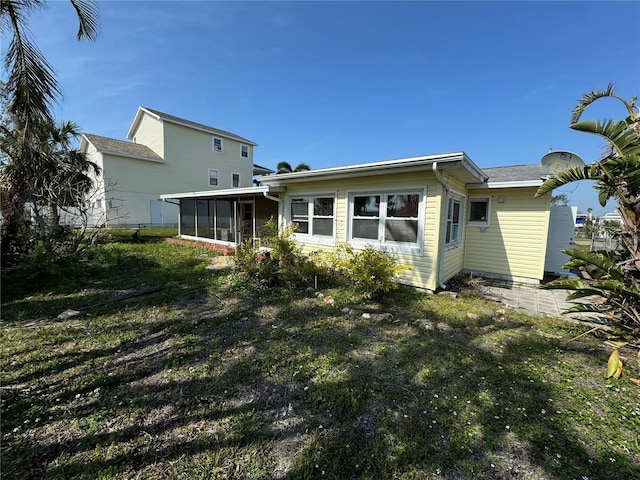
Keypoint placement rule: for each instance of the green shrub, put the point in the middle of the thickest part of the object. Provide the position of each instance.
(277, 262)
(372, 272)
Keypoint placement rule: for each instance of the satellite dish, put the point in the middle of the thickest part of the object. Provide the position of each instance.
(561, 160)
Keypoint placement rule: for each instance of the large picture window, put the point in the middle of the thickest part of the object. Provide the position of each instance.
(392, 219)
(313, 216)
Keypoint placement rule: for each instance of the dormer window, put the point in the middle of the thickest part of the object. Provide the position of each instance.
(216, 144)
(244, 151)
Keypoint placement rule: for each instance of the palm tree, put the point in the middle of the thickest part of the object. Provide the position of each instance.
(616, 175)
(29, 94)
(285, 167)
(57, 176)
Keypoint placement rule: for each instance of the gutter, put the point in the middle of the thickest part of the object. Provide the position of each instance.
(440, 261)
(271, 197)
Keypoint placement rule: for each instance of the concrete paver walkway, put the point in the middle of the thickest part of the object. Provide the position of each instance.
(537, 300)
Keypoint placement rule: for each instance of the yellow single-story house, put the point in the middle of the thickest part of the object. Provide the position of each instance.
(439, 214)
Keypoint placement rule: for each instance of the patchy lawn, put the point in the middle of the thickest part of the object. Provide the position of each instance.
(200, 377)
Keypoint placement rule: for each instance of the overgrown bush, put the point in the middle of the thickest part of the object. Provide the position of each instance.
(372, 272)
(277, 262)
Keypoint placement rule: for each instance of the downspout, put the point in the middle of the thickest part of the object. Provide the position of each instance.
(440, 259)
(271, 197)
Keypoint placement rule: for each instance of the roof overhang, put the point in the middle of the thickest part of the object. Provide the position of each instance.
(230, 192)
(457, 165)
(513, 184)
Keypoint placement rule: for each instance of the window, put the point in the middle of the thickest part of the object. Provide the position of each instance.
(393, 220)
(453, 232)
(479, 211)
(216, 144)
(235, 180)
(313, 216)
(244, 151)
(213, 177)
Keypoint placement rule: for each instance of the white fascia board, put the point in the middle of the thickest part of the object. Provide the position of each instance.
(229, 192)
(136, 121)
(358, 169)
(473, 169)
(513, 184)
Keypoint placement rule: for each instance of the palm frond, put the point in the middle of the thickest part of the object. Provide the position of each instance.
(590, 97)
(625, 140)
(569, 175)
(32, 86)
(302, 167)
(89, 18)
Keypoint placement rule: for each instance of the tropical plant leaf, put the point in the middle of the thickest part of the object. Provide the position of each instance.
(612, 364)
(605, 263)
(618, 371)
(590, 97)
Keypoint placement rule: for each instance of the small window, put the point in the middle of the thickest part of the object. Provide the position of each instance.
(313, 216)
(453, 232)
(235, 180)
(479, 211)
(216, 144)
(213, 177)
(244, 151)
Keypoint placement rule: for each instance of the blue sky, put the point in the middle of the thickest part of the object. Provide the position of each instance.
(337, 83)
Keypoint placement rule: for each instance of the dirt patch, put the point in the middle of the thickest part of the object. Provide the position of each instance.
(223, 249)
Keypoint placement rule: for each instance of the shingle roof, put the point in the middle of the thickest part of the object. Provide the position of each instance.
(517, 173)
(199, 126)
(130, 149)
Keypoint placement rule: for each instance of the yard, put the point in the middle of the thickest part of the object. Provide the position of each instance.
(178, 369)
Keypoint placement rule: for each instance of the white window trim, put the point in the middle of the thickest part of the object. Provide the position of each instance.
(309, 237)
(213, 146)
(247, 147)
(217, 177)
(480, 223)
(386, 246)
(239, 179)
(461, 199)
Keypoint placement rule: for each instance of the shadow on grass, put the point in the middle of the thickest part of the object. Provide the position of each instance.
(280, 385)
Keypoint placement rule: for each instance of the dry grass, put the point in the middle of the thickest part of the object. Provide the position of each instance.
(208, 379)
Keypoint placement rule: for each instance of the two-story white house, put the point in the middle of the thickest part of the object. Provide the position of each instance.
(164, 154)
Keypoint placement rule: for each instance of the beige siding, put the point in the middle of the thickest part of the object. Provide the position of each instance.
(189, 155)
(423, 268)
(453, 262)
(514, 244)
(149, 133)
